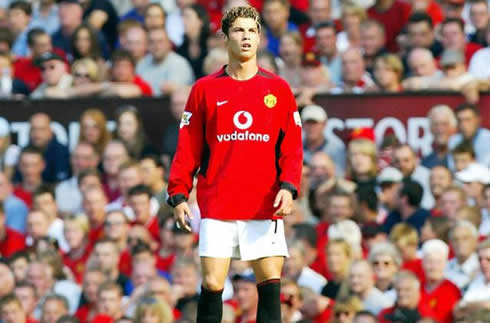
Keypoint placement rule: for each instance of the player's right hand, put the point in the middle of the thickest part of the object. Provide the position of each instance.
(182, 215)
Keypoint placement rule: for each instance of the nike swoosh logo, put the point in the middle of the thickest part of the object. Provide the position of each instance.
(220, 103)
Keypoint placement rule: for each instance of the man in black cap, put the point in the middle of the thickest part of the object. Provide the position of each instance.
(54, 74)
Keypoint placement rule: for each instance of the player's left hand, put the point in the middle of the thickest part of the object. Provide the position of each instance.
(284, 200)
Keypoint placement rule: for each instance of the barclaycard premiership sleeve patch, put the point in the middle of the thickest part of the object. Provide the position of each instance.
(297, 118)
(186, 119)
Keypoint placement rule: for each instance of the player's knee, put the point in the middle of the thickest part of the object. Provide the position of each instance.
(212, 283)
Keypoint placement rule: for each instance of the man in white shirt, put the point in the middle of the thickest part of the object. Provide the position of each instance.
(478, 294)
(68, 195)
(464, 267)
(479, 64)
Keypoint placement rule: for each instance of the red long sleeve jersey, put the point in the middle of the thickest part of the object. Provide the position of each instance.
(245, 138)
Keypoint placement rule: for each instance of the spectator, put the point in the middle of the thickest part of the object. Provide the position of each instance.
(85, 71)
(76, 230)
(185, 275)
(290, 50)
(326, 48)
(386, 262)
(109, 300)
(479, 18)
(136, 42)
(436, 287)
(18, 264)
(315, 80)
(93, 278)
(407, 162)
(388, 72)
(37, 226)
(101, 15)
(352, 17)
(45, 16)
(12, 87)
(115, 154)
(15, 209)
(196, 33)
(11, 310)
(138, 10)
(452, 200)
(389, 181)
(94, 204)
(11, 241)
(68, 195)
(463, 155)
(355, 79)
(324, 179)
(106, 257)
(478, 61)
(394, 15)
(344, 310)
(339, 259)
(469, 128)
(7, 280)
(93, 129)
(440, 179)
(409, 211)
(453, 37)
(88, 179)
(409, 306)
(318, 12)
(129, 130)
(116, 229)
(139, 199)
(19, 17)
(44, 199)
(246, 297)
(54, 306)
(435, 227)
(215, 60)
(372, 42)
(404, 236)
(361, 284)
(26, 293)
(453, 8)
(368, 213)
(276, 15)
(474, 178)
(365, 317)
(476, 297)
(291, 301)
(123, 72)
(54, 75)
(154, 17)
(153, 175)
(151, 307)
(421, 34)
(163, 68)
(464, 267)
(85, 44)
(31, 166)
(70, 16)
(361, 162)
(423, 69)
(314, 119)
(25, 68)
(297, 270)
(178, 101)
(442, 126)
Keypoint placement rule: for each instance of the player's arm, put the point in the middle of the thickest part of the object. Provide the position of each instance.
(187, 157)
(290, 158)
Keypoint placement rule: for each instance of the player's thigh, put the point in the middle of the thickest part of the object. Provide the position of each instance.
(214, 272)
(267, 268)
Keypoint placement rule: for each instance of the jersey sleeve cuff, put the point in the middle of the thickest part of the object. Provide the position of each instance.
(291, 188)
(176, 199)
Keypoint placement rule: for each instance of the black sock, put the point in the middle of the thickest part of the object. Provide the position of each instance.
(269, 309)
(210, 307)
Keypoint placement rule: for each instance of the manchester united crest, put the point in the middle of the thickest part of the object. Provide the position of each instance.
(270, 100)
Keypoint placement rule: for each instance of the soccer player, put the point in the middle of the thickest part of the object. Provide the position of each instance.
(241, 129)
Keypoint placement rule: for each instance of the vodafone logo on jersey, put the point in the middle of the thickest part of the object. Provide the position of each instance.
(242, 121)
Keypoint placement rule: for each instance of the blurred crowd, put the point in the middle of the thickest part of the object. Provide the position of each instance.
(133, 48)
(380, 233)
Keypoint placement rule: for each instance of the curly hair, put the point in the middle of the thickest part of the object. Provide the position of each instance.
(239, 12)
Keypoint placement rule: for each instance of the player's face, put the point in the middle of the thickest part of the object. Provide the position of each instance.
(243, 39)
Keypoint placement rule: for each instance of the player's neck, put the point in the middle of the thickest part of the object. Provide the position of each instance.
(242, 71)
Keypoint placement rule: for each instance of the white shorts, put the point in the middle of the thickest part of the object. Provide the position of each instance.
(242, 239)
